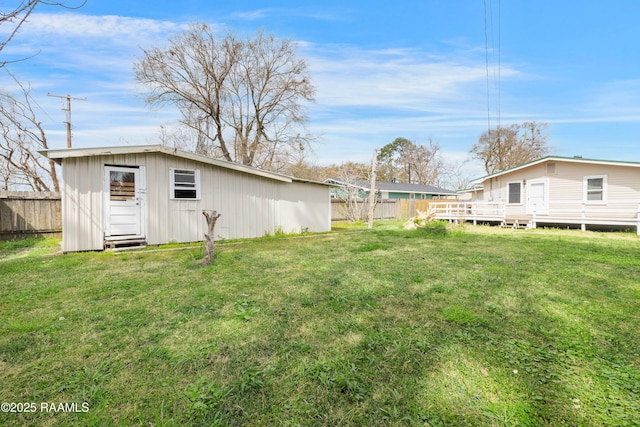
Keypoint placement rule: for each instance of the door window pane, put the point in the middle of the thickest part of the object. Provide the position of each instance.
(122, 186)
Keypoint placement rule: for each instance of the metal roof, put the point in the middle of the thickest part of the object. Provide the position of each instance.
(575, 159)
(60, 155)
(399, 187)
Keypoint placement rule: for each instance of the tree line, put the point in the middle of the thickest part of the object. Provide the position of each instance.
(243, 100)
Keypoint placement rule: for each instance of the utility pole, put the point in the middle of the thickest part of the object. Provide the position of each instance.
(68, 113)
(372, 189)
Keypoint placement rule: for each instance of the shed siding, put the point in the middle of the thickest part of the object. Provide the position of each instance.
(250, 205)
(82, 209)
(305, 207)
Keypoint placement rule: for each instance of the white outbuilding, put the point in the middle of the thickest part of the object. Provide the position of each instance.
(152, 194)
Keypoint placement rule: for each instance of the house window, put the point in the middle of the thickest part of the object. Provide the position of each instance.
(515, 193)
(595, 188)
(185, 184)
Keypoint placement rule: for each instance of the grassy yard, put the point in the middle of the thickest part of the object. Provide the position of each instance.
(465, 327)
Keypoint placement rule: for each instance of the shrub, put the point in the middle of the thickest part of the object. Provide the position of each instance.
(426, 222)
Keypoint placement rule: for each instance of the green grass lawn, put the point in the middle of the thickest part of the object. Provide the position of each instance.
(468, 327)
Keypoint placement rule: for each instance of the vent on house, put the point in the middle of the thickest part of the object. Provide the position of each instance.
(551, 168)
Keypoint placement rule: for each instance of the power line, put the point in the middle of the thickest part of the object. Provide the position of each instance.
(486, 57)
(498, 83)
(496, 72)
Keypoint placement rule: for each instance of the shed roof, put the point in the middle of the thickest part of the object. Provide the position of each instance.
(60, 155)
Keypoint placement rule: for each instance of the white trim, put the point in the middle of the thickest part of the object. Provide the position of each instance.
(140, 200)
(544, 208)
(585, 189)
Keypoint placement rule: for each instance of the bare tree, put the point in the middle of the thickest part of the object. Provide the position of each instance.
(13, 17)
(427, 165)
(21, 136)
(505, 147)
(242, 98)
(456, 175)
(354, 177)
(7, 175)
(405, 161)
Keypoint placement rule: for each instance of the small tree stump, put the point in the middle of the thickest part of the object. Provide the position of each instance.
(212, 217)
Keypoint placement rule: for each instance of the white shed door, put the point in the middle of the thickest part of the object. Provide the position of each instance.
(124, 198)
(537, 197)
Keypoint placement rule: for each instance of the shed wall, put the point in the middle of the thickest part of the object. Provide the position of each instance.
(250, 205)
(82, 208)
(304, 207)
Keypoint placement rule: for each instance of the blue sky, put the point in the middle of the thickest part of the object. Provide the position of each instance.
(416, 69)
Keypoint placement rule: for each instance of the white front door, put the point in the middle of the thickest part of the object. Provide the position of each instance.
(538, 197)
(124, 201)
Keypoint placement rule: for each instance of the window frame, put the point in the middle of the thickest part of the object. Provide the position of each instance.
(173, 186)
(586, 191)
(520, 184)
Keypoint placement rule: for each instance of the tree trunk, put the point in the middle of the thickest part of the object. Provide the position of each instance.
(212, 217)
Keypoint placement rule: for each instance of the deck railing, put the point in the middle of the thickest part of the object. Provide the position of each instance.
(468, 211)
(578, 212)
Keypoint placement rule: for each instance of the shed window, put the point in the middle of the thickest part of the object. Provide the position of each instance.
(185, 184)
(595, 188)
(515, 193)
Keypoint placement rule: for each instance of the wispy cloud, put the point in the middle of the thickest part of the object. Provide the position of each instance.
(308, 12)
(80, 27)
(406, 79)
(367, 98)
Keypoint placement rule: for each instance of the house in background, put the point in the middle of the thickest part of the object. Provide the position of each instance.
(390, 190)
(555, 191)
(152, 194)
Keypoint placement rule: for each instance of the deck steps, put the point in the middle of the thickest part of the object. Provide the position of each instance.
(514, 223)
(124, 244)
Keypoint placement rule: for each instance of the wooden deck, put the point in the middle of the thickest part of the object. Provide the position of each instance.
(621, 214)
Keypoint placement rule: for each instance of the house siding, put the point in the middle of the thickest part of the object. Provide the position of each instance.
(250, 205)
(565, 190)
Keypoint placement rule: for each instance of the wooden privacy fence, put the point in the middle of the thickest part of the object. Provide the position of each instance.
(406, 208)
(26, 213)
(385, 209)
